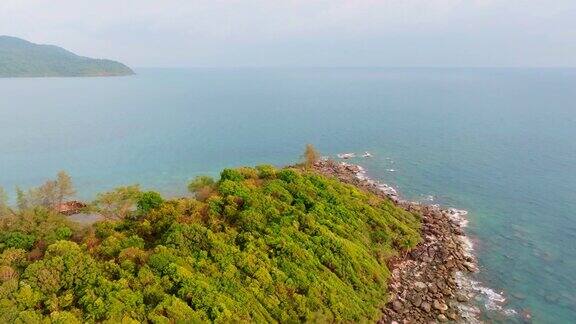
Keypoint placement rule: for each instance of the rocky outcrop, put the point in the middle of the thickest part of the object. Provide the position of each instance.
(70, 207)
(423, 286)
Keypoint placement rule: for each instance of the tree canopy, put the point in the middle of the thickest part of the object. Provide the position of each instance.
(267, 245)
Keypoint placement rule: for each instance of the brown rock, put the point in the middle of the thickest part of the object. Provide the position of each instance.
(397, 306)
(416, 300)
(462, 298)
(440, 305)
(470, 266)
(440, 284)
(442, 318)
(425, 307)
(452, 315)
(420, 286)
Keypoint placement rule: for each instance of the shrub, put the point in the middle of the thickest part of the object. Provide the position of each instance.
(231, 174)
(63, 233)
(266, 171)
(148, 201)
(18, 240)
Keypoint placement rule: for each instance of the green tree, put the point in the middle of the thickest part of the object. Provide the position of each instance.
(148, 201)
(18, 240)
(201, 187)
(119, 203)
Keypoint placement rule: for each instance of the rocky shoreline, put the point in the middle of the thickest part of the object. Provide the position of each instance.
(426, 283)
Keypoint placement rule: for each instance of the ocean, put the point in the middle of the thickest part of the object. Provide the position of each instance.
(500, 143)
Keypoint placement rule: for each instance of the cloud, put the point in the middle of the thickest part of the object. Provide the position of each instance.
(298, 32)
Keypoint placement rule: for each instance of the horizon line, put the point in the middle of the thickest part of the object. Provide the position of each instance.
(352, 67)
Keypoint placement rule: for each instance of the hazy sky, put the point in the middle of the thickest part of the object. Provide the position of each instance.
(303, 32)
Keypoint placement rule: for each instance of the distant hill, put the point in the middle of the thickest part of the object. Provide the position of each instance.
(20, 58)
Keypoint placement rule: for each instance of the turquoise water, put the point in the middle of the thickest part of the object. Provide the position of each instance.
(500, 143)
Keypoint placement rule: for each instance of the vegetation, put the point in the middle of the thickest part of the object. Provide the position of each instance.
(19, 58)
(311, 156)
(49, 195)
(4, 209)
(202, 187)
(262, 245)
(119, 203)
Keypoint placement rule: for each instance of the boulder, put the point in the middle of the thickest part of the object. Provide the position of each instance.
(440, 305)
(442, 318)
(425, 307)
(416, 300)
(420, 286)
(452, 315)
(397, 306)
(470, 266)
(462, 298)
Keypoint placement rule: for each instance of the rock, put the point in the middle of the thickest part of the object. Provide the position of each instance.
(470, 266)
(462, 298)
(442, 318)
(420, 286)
(416, 300)
(433, 289)
(425, 307)
(440, 305)
(440, 283)
(397, 306)
(452, 315)
(551, 298)
(518, 296)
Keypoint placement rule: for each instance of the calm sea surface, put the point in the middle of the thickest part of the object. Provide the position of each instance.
(500, 143)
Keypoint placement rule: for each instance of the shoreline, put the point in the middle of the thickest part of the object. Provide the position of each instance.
(429, 283)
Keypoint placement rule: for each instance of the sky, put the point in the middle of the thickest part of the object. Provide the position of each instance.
(255, 33)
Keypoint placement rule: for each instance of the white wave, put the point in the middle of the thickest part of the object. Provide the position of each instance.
(467, 245)
(429, 198)
(346, 155)
(457, 216)
(493, 301)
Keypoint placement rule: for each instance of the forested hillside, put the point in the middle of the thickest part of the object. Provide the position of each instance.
(20, 58)
(257, 245)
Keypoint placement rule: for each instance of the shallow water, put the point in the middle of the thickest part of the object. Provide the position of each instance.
(497, 142)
